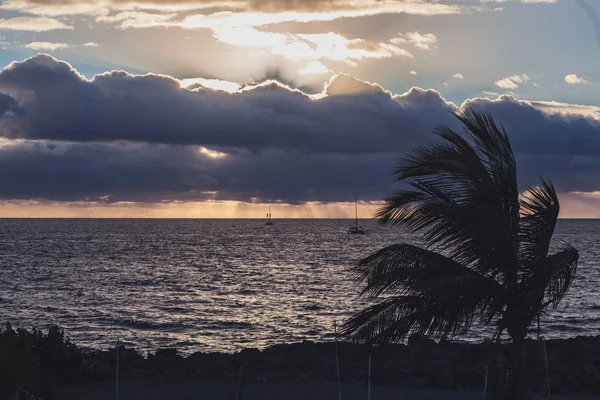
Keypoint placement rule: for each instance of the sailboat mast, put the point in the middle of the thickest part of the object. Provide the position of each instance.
(356, 208)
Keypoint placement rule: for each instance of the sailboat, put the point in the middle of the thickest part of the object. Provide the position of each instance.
(269, 217)
(356, 230)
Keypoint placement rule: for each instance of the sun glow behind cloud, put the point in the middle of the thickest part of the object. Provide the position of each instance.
(215, 84)
(311, 47)
(211, 153)
(314, 68)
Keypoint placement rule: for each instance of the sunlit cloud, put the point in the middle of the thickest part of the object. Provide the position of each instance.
(512, 82)
(248, 36)
(211, 153)
(331, 46)
(491, 94)
(54, 9)
(426, 42)
(90, 7)
(214, 84)
(137, 19)
(47, 46)
(458, 76)
(314, 68)
(566, 109)
(573, 79)
(233, 13)
(413, 72)
(358, 9)
(336, 47)
(90, 44)
(40, 24)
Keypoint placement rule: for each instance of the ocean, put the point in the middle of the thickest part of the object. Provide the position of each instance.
(218, 285)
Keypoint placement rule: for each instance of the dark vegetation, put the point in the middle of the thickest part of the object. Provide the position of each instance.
(485, 256)
(37, 362)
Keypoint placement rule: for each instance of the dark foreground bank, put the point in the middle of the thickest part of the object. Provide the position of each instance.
(187, 390)
(47, 364)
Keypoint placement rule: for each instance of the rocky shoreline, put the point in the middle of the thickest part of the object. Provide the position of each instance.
(574, 364)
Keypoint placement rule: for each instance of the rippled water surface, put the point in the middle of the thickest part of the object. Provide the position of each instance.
(205, 285)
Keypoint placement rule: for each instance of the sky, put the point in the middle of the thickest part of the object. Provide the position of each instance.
(210, 108)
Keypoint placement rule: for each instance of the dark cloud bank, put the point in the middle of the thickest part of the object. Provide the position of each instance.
(121, 137)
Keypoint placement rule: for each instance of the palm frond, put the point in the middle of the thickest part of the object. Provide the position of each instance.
(559, 273)
(396, 269)
(399, 206)
(396, 318)
(493, 146)
(389, 321)
(407, 270)
(540, 209)
(545, 286)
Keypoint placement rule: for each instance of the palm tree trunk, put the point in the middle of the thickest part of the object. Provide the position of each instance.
(519, 376)
(497, 383)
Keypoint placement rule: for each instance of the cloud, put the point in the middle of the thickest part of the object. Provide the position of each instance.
(331, 46)
(337, 47)
(90, 44)
(573, 79)
(512, 82)
(55, 8)
(230, 19)
(280, 10)
(426, 42)
(138, 19)
(215, 84)
(314, 68)
(47, 46)
(491, 94)
(458, 76)
(567, 110)
(32, 24)
(146, 138)
(413, 72)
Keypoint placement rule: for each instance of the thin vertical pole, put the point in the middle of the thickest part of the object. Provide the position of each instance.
(369, 380)
(117, 373)
(547, 371)
(485, 383)
(239, 386)
(337, 361)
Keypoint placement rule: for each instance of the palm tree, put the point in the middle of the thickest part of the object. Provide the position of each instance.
(486, 256)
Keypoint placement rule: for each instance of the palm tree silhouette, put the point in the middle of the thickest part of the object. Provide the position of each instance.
(486, 256)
